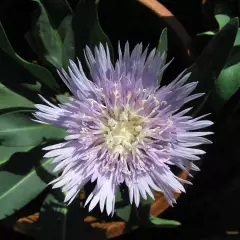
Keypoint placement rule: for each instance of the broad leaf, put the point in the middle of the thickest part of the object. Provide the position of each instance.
(128, 212)
(87, 28)
(56, 9)
(223, 13)
(237, 40)
(222, 20)
(163, 47)
(207, 33)
(160, 222)
(7, 152)
(10, 99)
(17, 129)
(53, 35)
(66, 33)
(17, 79)
(36, 71)
(212, 60)
(123, 208)
(163, 42)
(19, 189)
(124, 212)
(228, 81)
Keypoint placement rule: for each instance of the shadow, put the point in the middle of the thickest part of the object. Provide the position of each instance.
(59, 221)
(21, 163)
(13, 76)
(18, 79)
(50, 223)
(8, 234)
(43, 174)
(29, 209)
(77, 227)
(29, 160)
(8, 110)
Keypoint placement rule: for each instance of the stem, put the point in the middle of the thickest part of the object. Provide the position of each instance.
(65, 211)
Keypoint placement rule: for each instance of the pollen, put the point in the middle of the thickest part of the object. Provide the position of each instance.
(123, 133)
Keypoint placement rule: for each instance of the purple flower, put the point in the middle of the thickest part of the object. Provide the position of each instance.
(123, 129)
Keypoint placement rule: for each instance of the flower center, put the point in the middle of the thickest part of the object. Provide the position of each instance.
(122, 133)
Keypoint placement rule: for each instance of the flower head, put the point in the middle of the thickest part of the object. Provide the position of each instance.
(123, 129)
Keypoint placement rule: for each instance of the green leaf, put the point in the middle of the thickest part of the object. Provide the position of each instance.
(62, 98)
(207, 33)
(141, 216)
(123, 208)
(237, 40)
(210, 63)
(57, 10)
(128, 212)
(222, 20)
(124, 212)
(36, 71)
(228, 81)
(7, 152)
(53, 37)
(87, 28)
(163, 42)
(68, 45)
(14, 77)
(17, 129)
(223, 13)
(160, 222)
(10, 99)
(163, 47)
(19, 189)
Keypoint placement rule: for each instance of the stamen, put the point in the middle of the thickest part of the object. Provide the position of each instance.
(122, 134)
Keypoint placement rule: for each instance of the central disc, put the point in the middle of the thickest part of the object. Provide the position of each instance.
(123, 134)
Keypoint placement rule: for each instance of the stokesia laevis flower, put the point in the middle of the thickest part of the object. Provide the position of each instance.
(123, 129)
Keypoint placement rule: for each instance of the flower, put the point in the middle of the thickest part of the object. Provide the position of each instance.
(123, 129)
